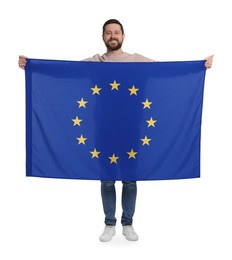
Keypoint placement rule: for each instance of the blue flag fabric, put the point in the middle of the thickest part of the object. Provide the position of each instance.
(113, 121)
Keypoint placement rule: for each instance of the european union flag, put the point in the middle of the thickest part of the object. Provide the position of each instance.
(113, 121)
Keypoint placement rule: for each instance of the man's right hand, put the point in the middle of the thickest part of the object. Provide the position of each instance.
(22, 61)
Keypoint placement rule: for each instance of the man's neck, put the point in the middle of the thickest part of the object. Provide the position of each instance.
(117, 52)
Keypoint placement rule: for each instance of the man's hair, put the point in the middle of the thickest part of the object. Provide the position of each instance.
(113, 21)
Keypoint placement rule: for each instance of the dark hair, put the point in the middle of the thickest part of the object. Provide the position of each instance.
(113, 21)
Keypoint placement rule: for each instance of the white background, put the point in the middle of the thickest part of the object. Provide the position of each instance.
(62, 219)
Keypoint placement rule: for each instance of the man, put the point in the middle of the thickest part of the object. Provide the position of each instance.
(113, 37)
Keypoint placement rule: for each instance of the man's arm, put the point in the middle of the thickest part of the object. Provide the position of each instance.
(23, 61)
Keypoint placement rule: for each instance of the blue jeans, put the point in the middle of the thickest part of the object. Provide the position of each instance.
(108, 193)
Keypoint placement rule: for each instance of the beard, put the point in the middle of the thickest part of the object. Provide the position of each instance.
(113, 46)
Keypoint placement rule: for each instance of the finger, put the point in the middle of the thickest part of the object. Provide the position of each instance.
(209, 57)
(21, 64)
(22, 56)
(208, 65)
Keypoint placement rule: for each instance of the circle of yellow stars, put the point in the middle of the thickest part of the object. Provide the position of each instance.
(113, 159)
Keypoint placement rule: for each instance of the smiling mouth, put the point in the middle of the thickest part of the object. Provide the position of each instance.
(113, 41)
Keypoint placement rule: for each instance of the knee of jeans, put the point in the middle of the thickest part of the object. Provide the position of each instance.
(107, 184)
(130, 184)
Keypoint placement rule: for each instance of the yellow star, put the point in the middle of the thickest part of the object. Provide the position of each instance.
(151, 122)
(95, 153)
(146, 104)
(114, 85)
(132, 154)
(146, 140)
(96, 90)
(82, 103)
(81, 139)
(133, 90)
(76, 121)
(113, 158)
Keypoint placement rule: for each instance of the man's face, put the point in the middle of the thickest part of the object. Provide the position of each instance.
(113, 37)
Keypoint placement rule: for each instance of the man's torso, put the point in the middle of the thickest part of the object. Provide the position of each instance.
(123, 57)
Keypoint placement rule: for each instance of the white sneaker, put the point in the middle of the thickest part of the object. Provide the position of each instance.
(107, 234)
(129, 233)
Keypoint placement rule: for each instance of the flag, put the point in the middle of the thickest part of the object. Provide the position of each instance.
(113, 121)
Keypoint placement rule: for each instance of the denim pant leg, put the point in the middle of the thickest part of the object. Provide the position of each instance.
(108, 194)
(129, 194)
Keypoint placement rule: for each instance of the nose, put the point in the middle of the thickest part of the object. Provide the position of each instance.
(113, 36)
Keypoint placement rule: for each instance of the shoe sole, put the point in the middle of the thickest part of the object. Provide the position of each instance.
(102, 240)
(136, 239)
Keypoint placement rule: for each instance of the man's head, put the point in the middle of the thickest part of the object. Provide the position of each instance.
(113, 34)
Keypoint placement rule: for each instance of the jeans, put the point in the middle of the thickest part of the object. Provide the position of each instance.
(129, 193)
